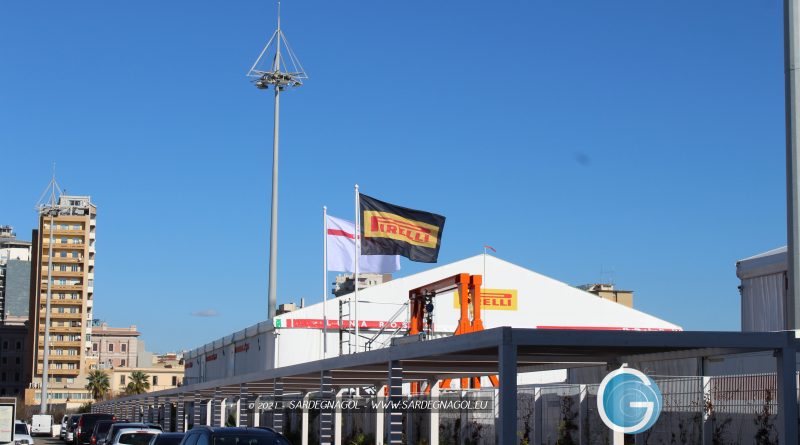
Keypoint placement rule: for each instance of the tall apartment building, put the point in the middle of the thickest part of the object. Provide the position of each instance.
(73, 223)
(15, 272)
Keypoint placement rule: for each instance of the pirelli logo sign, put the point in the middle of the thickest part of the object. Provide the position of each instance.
(494, 300)
(388, 229)
(388, 225)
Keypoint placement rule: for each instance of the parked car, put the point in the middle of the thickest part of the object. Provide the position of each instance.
(100, 431)
(116, 426)
(134, 436)
(233, 436)
(64, 421)
(167, 439)
(83, 432)
(22, 434)
(71, 425)
(42, 424)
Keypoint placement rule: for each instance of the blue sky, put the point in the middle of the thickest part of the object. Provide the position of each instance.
(645, 138)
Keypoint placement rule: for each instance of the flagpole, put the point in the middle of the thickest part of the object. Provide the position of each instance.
(325, 282)
(355, 272)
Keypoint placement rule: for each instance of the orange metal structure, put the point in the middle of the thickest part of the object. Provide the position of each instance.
(468, 289)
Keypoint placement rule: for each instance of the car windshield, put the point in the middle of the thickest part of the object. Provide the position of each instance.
(102, 428)
(135, 438)
(249, 440)
(20, 428)
(168, 439)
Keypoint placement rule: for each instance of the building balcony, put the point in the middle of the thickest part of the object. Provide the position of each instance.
(63, 273)
(62, 315)
(60, 358)
(59, 344)
(59, 287)
(70, 246)
(59, 372)
(62, 330)
(60, 259)
(65, 301)
(59, 231)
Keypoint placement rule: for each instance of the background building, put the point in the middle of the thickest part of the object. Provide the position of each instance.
(116, 347)
(15, 273)
(73, 246)
(344, 282)
(607, 292)
(158, 377)
(13, 351)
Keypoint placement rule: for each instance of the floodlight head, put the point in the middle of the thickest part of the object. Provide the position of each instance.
(282, 69)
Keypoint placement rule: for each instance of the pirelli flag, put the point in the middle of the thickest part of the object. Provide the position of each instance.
(388, 229)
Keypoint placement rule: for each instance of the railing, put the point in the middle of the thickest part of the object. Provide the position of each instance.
(383, 329)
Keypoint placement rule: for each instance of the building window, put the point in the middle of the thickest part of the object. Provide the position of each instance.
(5, 344)
(123, 347)
(155, 380)
(122, 380)
(94, 347)
(19, 345)
(110, 348)
(174, 380)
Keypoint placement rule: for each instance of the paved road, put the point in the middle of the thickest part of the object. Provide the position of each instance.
(39, 440)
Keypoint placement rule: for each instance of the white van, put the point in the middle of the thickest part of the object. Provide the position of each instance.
(42, 424)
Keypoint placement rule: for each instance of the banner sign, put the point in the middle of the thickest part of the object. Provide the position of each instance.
(318, 323)
(494, 300)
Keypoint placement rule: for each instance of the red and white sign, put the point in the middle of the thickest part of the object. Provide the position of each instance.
(318, 323)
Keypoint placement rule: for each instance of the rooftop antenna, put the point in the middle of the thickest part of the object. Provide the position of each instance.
(284, 71)
(48, 206)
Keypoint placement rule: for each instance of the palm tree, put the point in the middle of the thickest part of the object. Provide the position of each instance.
(138, 383)
(98, 384)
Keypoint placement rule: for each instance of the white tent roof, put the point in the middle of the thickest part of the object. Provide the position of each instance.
(542, 302)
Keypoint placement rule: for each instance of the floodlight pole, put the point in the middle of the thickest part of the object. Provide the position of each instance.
(791, 18)
(285, 70)
(273, 225)
(46, 345)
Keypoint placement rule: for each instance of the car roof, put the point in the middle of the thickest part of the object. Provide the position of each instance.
(127, 430)
(237, 430)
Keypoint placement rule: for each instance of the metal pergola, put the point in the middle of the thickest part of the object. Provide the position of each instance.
(504, 352)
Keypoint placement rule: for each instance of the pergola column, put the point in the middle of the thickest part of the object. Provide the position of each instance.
(325, 415)
(277, 411)
(380, 418)
(433, 431)
(180, 412)
(395, 397)
(304, 428)
(196, 409)
(787, 390)
(337, 419)
(256, 411)
(583, 415)
(242, 418)
(217, 408)
(168, 415)
(507, 418)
